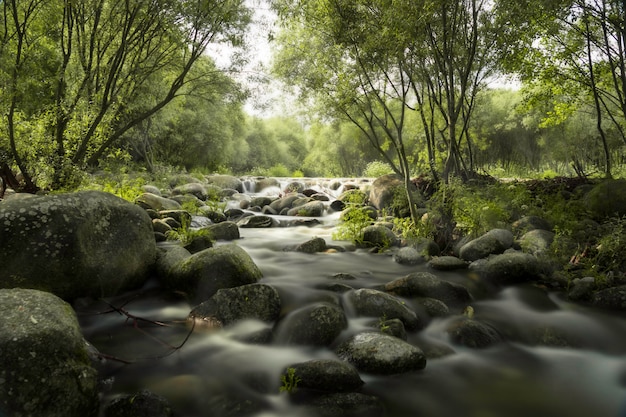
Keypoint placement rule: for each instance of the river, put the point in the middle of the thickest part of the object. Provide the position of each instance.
(580, 371)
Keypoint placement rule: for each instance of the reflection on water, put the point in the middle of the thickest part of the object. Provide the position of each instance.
(559, 359)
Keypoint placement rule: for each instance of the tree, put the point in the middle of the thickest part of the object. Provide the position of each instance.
(110, 54)
(576, 44)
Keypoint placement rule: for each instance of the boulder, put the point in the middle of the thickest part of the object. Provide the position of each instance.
(493, 242)
(284, 203)
(142, 404)
(327, 375)
(379, 236)
(473, 333)
(45, 366)
(194, 188)
(536, 241)
(82, 244)
(229, 305)
(263, 183)
(258, 222)
(314, 245)
(310, 209)
(607, 199)
(346, 404)
(425, 284)
(373, 303)
(379, 353)
(510, 268)
(226, 230)
(226, 182)
(204, 273)
(388, 192)
(528, 223)
(613, 298)
(156, 202)
(447, 263)
(409, 256)
(316, 325)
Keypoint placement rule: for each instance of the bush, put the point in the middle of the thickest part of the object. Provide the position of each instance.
(377, 169)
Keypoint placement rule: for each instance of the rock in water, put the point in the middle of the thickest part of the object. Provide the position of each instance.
(45, 367)
(202, 274)
(378, 353)
(87, 243)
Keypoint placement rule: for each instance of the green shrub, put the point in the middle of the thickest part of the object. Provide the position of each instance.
(353, 220)
(377, 169)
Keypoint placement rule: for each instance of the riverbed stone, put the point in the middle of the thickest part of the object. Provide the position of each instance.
(226, 182)
(346, 404)
(204, 273)
(317, 324)
(613, 298)
(528, 223)
(426, 284)
(409, 256)
(494, 241)
(607, 199)
(510, 268)
(141, 404)
(226, 230)
(310, 209)
(45, 369)
(372, 303)
(379, 236)
(314, 245)
(536, 242)
(229, 305)
(327, 375)
(447, 263)
(259, 221)
(156, 202)
(88, 243)
(194, 188)
(473, 333)
(284, 203)
(379, 353)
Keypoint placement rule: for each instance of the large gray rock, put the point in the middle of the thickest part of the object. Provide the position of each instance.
(45, 368)
(536, 241)
(310, 209)
(372, 303)
(607, 199)
(316, 325)
(379, 353)
(379, 236)
(510, 268)
(388, 192)
(226, 181)
(202, 274)
(327, 375)
(74, 245)
(425, 284)
(229, 305)
(226, 230)
(493, 242)
(156, 202)
(473, 333)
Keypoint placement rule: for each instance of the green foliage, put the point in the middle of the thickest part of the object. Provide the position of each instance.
(185, 234)
(289, 381)
(278, 170)
(410, 230)
(353, 220)
(377, 169)
(122, 185)
(611, 247)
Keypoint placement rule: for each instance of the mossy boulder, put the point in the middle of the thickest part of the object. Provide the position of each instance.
(81, 244)
(607, 199)
(204, 273)
(45, 368)
(316, 324)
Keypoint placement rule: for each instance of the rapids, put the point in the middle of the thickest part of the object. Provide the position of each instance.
(579, 370)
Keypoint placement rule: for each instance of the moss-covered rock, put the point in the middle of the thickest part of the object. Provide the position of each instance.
(87, 243)
(607, 199)
(45, 368)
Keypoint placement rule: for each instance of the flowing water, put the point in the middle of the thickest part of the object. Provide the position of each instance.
(579, 370)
